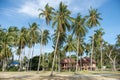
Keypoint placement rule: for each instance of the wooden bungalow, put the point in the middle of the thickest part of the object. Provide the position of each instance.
(85, 63)
(68, 63)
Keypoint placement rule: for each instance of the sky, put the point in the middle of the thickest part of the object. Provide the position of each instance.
(23, 12)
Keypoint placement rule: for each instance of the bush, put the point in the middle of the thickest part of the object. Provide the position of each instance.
(13, 68)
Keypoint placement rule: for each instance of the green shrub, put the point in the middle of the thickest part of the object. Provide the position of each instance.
(13, 68)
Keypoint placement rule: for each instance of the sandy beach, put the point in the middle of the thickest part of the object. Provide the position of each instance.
(57, 76)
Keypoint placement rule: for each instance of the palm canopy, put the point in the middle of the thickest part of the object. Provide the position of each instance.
(70, 46)
(21, 41)
(98, 37)
(78, 26)
(34, 32)
(62, 18)
(93, 18)
(62, 38)
(5, 41)
(45, 37)
(47, 13)
(118, 40)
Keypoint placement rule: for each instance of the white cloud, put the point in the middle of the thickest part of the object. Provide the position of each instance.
(83, 5)
(30, 7)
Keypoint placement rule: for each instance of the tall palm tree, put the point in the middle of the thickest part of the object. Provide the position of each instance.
(61, 20)
(62, 39)
(34, 37)
(99, 41)
(79, 30)
(70, 46)
(21, 42)
(5, 42)
(29, 45)
(93, 21)
(45, 37)
(47, 13)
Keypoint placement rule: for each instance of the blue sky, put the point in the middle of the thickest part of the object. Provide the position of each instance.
(22, 12)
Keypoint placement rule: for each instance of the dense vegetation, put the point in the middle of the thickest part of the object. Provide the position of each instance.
(69, 36)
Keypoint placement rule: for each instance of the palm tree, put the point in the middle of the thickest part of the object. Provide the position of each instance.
(47, 13)
(61, 20)
(70, 46)
(93, 21)
(79, 30)
(5, 41)
(45, 37)
(21, 41)
(29, 45)
(34, 37)
(62, 39)
(99, 41)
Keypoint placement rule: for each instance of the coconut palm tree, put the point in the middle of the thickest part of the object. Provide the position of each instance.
(29, 45)
(34, 37)
(21, 42)
(47, 13)
(5, 41)
(62, 39)
(93, 21)
(70, 46)
(45, 37)
(79, 30)
(99, 41)
(61, 21)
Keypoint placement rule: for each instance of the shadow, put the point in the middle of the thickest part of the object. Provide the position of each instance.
(17, 78)
(108, 75)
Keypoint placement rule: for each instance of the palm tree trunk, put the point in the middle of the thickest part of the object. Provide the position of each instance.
(92, 51)
(56, 66)
(4, 64)
(114, 63)
(81, 63)
(28, 59)
(43, 59)
(31, 58)
(20, 60)
(53, 63)
(77, 54)
(39, 55)
(39, 59)
(69, 62)
(59, 64)
(101, 58)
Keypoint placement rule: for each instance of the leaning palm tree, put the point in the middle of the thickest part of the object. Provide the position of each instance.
(62, 39)
(79, 30)
(47, 13)
(61, 21)
(93, 21)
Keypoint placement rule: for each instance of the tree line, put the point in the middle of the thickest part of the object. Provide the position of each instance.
(69, 36)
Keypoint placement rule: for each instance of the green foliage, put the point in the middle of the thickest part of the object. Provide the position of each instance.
(12, 68)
